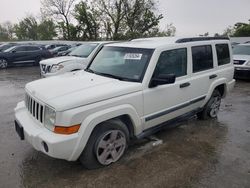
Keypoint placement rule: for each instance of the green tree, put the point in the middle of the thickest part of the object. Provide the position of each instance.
(61, 10)
(27, 29)
(242, 30)
(46, 30)
(140, 18)
(88, 21)
(3, 33)
(112, 17)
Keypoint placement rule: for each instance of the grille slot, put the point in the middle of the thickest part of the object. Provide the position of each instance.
(239, 62)
(35, 108)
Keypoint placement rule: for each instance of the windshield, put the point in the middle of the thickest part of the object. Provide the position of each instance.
(5, 47)
(128, 64)
(241, 50)
(9, 49)
(84, 50)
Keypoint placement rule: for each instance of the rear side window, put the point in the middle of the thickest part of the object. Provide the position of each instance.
(223, 54)
(202, 58)
(20, 49)
(32, 48)
(172, 62)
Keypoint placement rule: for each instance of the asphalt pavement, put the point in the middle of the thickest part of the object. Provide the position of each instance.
(212, 153)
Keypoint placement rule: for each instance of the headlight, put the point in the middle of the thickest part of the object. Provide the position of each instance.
(248, 63)
(56, 68)
(49, 118)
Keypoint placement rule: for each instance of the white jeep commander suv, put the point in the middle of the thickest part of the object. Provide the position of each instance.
(130, 90)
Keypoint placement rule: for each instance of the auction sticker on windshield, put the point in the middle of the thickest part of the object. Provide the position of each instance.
(133, 56)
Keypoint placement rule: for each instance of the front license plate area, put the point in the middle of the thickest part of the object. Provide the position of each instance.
(19, 130)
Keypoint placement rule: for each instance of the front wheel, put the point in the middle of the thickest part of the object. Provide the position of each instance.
(211, 109)
(106, 145)
(3, 64)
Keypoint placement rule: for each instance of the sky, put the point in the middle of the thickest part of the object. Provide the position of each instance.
(190, 17)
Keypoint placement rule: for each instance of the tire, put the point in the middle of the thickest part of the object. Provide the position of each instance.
(212, 107)
(37, 61)
(102, 150)
(3, 64)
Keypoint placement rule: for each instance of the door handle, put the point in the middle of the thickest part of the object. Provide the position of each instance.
(212, 76)
(185, 85)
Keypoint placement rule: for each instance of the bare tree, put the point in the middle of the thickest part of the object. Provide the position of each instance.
(61, 9)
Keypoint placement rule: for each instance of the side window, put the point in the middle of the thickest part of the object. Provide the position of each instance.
(20, 49)
(32, 48)
(223, 54)
(202, 58)
(172, 62)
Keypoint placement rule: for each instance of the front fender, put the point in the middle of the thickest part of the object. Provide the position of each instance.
(95, 119)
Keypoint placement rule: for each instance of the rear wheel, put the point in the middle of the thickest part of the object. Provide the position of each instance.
(212, 107)
(106, 145)
(3, 64)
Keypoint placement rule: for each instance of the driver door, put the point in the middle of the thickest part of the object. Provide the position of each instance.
(166, 102)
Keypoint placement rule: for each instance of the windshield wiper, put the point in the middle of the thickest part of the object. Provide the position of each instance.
(109, 75)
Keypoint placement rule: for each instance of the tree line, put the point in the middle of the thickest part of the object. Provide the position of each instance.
(89, 20)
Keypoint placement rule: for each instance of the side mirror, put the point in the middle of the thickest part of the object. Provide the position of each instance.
(13, 51)
(162, 79)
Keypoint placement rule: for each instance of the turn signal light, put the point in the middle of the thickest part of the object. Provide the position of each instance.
(66, 130)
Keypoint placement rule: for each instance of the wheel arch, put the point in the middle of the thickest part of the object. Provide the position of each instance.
(219, 84)
(125, 113)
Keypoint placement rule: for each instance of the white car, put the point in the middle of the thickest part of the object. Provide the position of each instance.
(241, 56)
(129, 91)
(78, 59)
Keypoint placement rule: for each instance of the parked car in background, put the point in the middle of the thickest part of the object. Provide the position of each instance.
(23, 54)
(6, 46)
(66, 52)
(129, 91)
(56, 50)
(242, 61)
(52, 46)
(76, 60)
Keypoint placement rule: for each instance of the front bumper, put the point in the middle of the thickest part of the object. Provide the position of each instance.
(242, 73)
(59, 146)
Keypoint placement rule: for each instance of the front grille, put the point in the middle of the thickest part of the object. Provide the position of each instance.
(239, 62)
(45, 68)
(35, 108)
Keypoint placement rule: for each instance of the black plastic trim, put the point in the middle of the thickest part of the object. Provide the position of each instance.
(168, 124)
(195, 39)
(149, 118)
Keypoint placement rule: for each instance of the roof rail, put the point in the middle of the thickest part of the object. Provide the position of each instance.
(195, 39)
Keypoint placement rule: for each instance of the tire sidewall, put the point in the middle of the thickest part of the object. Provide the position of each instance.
(207, 108)
(6, 63)
(89, 157)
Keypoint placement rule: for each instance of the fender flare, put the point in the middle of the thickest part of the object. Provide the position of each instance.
(93, 120)
(221, 81)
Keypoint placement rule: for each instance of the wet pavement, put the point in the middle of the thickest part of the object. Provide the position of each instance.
(213, 153)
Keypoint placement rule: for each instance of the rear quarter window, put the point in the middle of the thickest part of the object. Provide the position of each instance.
(223, 54)
(202, 58)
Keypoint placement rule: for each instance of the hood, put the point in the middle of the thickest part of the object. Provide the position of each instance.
(64, 59)
(79, 88)
(241, 57)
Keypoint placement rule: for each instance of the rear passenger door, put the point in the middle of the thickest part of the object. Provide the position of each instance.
(203, 73)
(33, 53)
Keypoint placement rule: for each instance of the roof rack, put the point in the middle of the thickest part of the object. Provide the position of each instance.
(195, 39)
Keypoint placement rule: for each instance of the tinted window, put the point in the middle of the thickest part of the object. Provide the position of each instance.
(20, 49)
(223, 54)
(202, 58)
(32, 48)
(172, 62)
